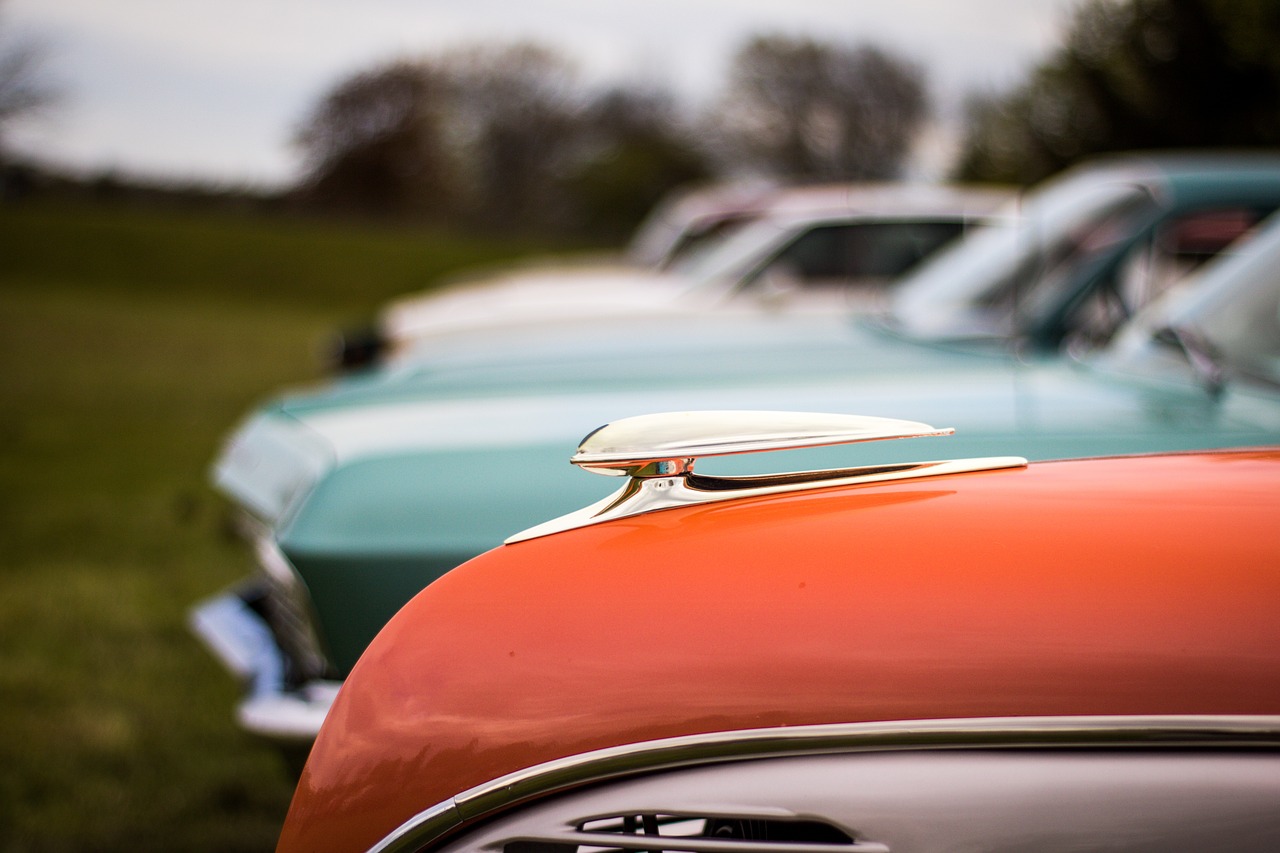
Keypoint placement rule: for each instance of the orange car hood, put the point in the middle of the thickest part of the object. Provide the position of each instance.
(1146, 585)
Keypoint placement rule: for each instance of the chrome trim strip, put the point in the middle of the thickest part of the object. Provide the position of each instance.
(422, 828)
(681, 844)
(646, 493)
(979, 733)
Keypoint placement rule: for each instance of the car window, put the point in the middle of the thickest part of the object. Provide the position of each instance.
(1174, 250)
(843, 252)
(1224, 322)
(971, 287)
(731, 254)
(1055, 263)
(1241, 328)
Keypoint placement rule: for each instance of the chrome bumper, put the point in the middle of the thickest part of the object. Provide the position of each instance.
(242, 641)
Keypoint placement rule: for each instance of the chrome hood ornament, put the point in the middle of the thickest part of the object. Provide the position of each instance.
(657, 454)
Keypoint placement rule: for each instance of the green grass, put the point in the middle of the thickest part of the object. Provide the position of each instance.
(338, 270)
(129, 345)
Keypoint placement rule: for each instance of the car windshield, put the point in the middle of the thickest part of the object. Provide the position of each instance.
(1223, 323)
(995, 283)
(695, 239)
(834, 251)
(733, 255)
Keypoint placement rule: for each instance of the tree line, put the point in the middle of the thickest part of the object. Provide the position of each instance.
(1131, 75)
(506, 136)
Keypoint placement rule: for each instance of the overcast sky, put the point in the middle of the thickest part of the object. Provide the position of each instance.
(211, 89)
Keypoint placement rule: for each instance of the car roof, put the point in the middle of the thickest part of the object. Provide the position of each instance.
(1180, 164)
(1132, 586)
(886, 201)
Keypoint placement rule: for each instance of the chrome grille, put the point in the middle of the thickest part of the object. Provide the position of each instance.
(694, 833)
(286, 606)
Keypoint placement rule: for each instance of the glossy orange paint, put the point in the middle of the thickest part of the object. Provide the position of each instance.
(1125, 586)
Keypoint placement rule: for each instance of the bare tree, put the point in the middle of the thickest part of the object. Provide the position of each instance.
(24, 87)
(638, 149)
(495, 136)
(800, 108)
(376, 143)
(517, 112)
(478, 134)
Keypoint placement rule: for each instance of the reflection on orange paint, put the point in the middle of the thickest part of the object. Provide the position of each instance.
(1126, 586)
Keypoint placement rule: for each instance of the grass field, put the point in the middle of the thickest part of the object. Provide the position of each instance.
(129, 344)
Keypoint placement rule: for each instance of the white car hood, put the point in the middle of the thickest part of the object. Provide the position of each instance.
(554, 293)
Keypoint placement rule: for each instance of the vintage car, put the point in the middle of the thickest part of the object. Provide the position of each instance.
(1080, 252)
(691, 216)
(931, 657)
(686, 219)
(1090, 248)
(803, 248)
(358, 495)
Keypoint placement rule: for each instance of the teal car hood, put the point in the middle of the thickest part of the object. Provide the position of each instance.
(466, 392)
(374, 486)
(457, 455)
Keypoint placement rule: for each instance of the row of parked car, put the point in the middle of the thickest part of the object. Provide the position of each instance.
(843, 643)
(787, 248)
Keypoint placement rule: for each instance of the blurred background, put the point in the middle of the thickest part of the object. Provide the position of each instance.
(193, 194)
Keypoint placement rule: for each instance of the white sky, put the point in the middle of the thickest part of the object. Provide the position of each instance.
(211, 89)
